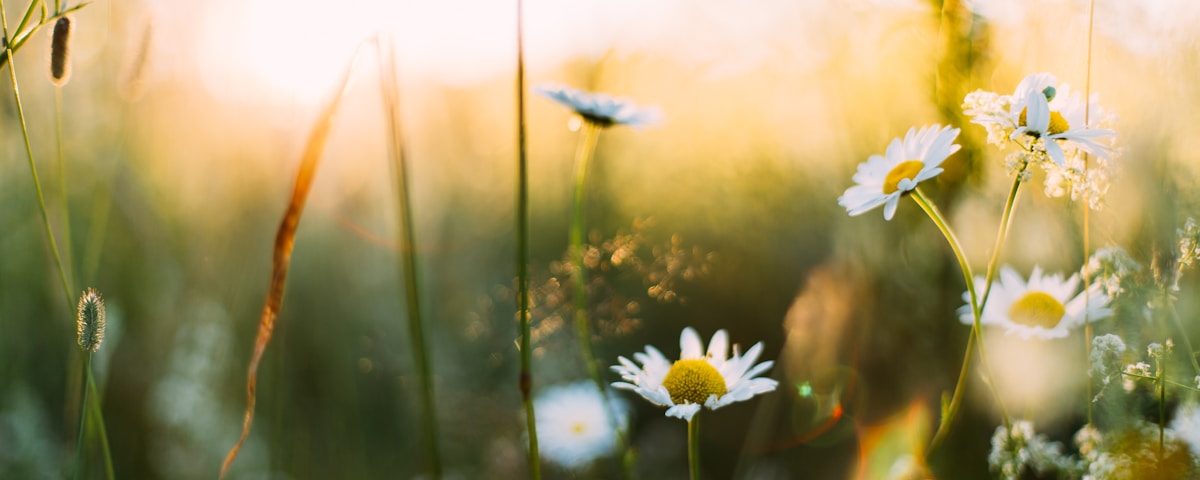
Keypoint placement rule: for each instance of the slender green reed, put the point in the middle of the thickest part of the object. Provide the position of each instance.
(525, 380)
(1087, 228)
(9, 49)
(389, 87)
(90, 411)
(976, 311)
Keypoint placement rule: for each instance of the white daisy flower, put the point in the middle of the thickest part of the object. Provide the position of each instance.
(883, 179)
(574, 426)
(1042, 110)
(697, 378)
(1041, 308)
(601, 109)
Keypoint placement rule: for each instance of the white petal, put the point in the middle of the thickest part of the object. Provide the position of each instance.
(718, 347)
(690, 345)
(685, 411)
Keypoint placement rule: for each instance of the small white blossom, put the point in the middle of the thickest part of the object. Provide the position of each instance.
(601, 109)
(1110, 266)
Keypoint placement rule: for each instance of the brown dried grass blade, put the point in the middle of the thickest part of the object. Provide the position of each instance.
(284, 241)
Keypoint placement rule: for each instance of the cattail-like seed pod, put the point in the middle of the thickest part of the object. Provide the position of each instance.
(60, 52)
(90, 326)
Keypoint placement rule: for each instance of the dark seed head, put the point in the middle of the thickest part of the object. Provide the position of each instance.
(60, 58)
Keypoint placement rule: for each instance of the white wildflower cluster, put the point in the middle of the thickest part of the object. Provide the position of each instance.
(1106, 359)
(1014, 449)
(1187, 425)
(1110, 266)
(1159, 351)
(990, 110)
(1133, 453)
(1083, 182)
(1055, 129)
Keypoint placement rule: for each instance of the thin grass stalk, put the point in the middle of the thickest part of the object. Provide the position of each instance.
(396, 149)
(525, 378)
(1162, 401)
(281, 258)
(976, 329)
(1087, 230)
(83, 411)
(97, 416)
(694, 447)
(37, 184)
(62, 184)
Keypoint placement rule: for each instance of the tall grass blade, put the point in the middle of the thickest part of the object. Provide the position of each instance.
(389, 87)
(285, 239)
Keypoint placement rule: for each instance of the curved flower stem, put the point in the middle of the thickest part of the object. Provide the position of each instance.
(993, 263)
(694, 447)
(525, 379)
(976, 329)
(584, 153)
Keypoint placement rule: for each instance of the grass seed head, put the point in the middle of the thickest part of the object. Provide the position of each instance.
(60, 53)
(90, 324)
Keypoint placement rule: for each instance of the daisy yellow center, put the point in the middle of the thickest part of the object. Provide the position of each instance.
(1058, 124)
(578, 428)
(905, 170)
(693, 381)
(1037, 309)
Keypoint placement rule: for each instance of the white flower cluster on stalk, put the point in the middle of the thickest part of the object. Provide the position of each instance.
(1055, 129)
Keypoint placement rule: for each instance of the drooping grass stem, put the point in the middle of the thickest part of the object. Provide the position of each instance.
(525, 379)
(976, 329)
(390, 90)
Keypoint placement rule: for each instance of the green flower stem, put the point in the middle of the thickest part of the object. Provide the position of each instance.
(1162, 402)
(525, 380)
(91, 404)
(584, 153)
(976, 330)
(694, 447)
(1155, 379)
(37, 184)
(390, 90)
(83, 411)
(1001, 235)
(98, 417)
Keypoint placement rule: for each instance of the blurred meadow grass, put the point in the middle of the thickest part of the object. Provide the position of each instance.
(176, 186)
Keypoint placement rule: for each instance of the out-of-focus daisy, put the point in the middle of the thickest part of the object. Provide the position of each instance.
(601, 109)
(883, 179)
(697, 378)
(574, 426)
(1045, 307)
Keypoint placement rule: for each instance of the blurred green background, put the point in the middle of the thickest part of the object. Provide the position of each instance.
(184, 123)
